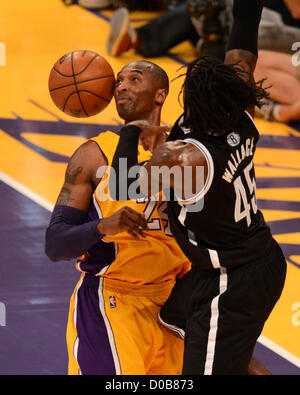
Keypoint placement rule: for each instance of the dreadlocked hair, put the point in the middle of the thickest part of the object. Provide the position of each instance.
(215, 95)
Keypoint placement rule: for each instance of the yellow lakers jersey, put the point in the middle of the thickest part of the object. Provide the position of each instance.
(154, 259)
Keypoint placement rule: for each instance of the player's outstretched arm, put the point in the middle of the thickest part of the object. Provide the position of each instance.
(174, 156)
(68, 234)
(242, 44)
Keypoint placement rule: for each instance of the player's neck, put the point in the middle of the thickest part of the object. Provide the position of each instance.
(153, 118)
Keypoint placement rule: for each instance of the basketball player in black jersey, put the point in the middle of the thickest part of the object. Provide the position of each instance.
(238, 269)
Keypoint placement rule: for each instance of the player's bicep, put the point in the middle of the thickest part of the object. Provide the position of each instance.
(78, 186)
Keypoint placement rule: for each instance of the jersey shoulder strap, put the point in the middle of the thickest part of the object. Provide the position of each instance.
(107, 142)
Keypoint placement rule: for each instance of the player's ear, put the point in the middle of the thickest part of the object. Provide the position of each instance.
(160, 96)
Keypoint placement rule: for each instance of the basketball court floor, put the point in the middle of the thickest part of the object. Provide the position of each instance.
(36, 140)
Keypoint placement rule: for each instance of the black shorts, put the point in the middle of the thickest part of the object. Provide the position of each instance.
(222, 313)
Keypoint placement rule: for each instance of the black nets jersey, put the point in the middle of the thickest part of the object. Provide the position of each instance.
(221, 226)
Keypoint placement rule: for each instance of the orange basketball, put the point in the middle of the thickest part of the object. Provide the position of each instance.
(81, 83)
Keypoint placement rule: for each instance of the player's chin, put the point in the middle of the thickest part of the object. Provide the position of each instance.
(122, 110)
(126, 113)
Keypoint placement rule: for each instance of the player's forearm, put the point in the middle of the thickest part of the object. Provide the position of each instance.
(242, 44)
(125, 157)
(67, 236)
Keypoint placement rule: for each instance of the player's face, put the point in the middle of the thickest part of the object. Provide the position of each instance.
(135, 92)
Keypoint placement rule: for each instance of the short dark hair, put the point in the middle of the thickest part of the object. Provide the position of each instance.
(160, 76)
(217, 94)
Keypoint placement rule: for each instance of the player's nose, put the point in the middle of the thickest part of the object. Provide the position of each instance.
(121, 86)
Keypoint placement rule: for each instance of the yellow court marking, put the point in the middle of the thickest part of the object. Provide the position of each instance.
(296, 258)
(30, 168)
(277, 215)
(275, 128)
(287, 194)
(280, 326)
(274, 162)
(289, 238)
(60, 144)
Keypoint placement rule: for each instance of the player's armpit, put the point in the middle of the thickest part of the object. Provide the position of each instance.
(80, 176)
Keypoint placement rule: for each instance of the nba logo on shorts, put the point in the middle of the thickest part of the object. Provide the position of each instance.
(233, 139)
(112, 302)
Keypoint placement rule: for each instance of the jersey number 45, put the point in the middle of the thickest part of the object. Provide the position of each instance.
(245, 196)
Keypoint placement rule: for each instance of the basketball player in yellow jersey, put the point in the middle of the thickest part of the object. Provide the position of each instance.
(130, 260)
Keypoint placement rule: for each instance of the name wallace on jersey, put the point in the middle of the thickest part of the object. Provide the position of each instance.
(245, 150)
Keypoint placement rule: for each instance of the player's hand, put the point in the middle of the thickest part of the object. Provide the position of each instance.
(151, 136)
(124, 220)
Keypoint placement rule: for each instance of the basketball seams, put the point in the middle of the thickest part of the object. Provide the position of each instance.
(81, 82)
(68, 97)
(72, 75)
(82, 106)
(95, 94)
(85, 91)
(87, 94)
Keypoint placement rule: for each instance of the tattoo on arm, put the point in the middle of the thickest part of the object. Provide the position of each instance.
(72, 173)
(64, 197)
(74, 168)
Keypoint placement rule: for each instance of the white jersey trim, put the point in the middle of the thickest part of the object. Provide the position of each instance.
(109, 330)
(250, 116)
(76, 342)
(212, 335)
(210, 173)
(173, 328)
(214, 257)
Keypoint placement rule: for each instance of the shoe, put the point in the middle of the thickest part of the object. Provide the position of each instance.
(95, 4)
(122, 34)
